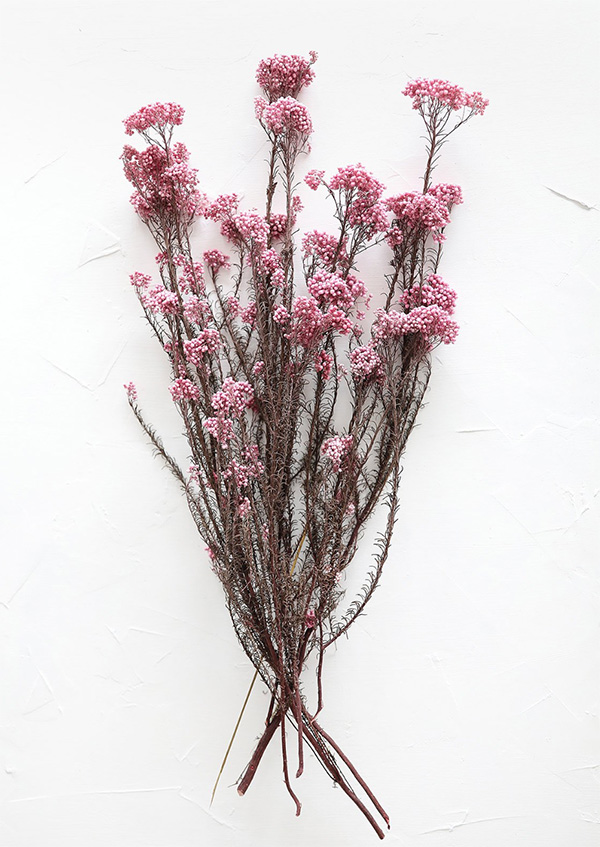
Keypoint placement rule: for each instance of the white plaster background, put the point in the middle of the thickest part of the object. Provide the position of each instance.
(468, 696)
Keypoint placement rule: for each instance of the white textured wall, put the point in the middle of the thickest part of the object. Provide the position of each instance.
(468, 696)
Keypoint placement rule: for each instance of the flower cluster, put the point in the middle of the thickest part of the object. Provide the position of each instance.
(163, 181)
(233, 398)
(216, 260)
(421, 212)
(242, 472)
(432, 323)
(433, 292)
(247, 228)
(365, 364)
(156, 116)
(326, 250)
(336, 449)
(283, 115)
(285, 76)
(450, 195)
(332, 288)
(425, 93)
(208, 341)
(184, 389)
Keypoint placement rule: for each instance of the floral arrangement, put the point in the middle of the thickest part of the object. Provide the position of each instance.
(269, 345)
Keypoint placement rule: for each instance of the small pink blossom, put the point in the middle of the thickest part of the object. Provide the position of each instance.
(284, 115)
(281, 315)
(310, 619)
(216, 260)
(314, 179)
(433, 292)
(131, 391)
(365, 363)
(220, 428)
(233, 397)
(184, 389)
(336, 449)
(195, 309)
(244, 507)
(285, 76)
(156, 116)
(414, 210)
(451, 195)
(425, 93)
(140, 280)
(208, 341)
(324, 363)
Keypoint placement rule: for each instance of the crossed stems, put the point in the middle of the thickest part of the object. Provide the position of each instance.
(286, 703)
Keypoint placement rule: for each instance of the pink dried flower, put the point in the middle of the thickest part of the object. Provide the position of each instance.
(314, 179)
(244, 507)
(414, 210)
(336, 449)
(221, 429)
(184, 389)
(131, 391)
(311, 618)
(285, 76)
(433, 292)
(324, 363)
(451, 195)
(284, 115)
(208, 341)
(139, 280)
(195, 309)
(365, 363)
(156, 116)
(216, 260)
(426, 93)
(233, 397)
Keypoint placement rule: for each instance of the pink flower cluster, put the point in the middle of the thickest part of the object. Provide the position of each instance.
(196, 310)
(336, 290)
(156, 116)
(241, 473)
(247, 228)
(208, 341)
(233, 398)
(220, 428)
(270, 263)
(429, 92)
(433, 292)
(164, 182)
(324, 363)
(432, 322)
(414, 210)
(309, 323)
(160, 301)
(450, 195)
(131, 391)
(222, 207)
(216, 260)
(230, 401)
(314, 179)
(336, 449)
(365, 364)
(184, 389)
(285, 76)
(359, 194)
(283, 115)
(324, 248)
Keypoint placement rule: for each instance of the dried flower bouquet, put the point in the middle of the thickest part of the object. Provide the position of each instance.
(281, 482)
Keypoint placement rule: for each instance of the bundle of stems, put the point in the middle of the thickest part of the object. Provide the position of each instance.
(296, 404)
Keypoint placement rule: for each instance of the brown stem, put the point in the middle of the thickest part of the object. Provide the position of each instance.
(258, 754)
